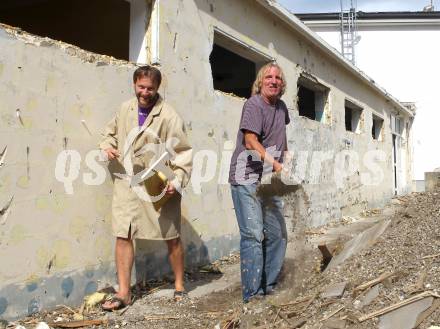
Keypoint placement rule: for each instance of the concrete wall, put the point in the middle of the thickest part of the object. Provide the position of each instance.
(432, 181)
(56, 247)
(403, 59)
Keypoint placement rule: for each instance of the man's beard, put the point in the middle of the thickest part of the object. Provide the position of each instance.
(149, 100)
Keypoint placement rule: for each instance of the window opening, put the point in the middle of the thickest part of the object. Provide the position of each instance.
(376, 129)
(234, 64)
(312, 99)
(100, 26)
(353, 115)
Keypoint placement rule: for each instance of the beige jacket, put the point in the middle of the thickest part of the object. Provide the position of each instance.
(147, 220)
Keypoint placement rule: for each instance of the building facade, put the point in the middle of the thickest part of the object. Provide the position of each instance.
(55, 194)
(399, 50)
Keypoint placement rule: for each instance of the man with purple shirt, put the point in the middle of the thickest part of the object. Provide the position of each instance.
(261, 142)
(155, 122)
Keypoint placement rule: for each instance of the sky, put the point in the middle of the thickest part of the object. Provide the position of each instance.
(316, 6)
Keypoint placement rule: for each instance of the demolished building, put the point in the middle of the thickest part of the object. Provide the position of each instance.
(404, 45)
(56, 97)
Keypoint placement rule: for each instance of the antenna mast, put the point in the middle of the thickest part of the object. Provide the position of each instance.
(349, 37)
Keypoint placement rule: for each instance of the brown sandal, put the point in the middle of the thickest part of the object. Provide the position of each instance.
(180, 295)
(117, 302)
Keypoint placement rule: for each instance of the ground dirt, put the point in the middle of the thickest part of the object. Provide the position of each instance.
(215, 298)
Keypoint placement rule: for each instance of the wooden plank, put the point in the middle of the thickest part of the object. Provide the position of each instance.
(333, 313)
(77, 324)
(431, 256)
(371, 283)
(397, 305)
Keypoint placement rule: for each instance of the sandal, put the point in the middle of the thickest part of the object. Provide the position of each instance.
(180, 295)
(116, 302)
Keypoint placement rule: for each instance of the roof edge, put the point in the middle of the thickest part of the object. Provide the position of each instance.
(361, 15)
(297, 25)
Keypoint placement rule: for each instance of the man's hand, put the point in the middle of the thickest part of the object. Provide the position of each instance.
(111, 153)
(277, 167)
(170, 189)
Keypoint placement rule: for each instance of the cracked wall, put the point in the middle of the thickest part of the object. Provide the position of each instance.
(56, 247)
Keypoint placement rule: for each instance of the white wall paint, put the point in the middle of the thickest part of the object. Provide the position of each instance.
(139, 16)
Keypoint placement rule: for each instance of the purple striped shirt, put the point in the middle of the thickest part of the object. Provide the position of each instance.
(269, 123)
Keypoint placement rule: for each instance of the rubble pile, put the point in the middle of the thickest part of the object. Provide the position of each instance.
(392, 282)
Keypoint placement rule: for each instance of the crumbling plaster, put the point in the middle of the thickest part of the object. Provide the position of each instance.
(57, 247)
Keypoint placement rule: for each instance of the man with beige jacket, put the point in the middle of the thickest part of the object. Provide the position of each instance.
(142, 122)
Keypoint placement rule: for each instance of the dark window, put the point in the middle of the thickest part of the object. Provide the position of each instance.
(312, 99)
(306, 102)
(353, 114)
(376, 129)
(232, 73)
(234, 64)
(100, 26)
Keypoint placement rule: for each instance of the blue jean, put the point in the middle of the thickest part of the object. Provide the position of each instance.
(263, 239)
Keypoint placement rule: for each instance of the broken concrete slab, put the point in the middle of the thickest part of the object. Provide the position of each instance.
(406, 316)
(334, 291)
(355, 245)
(368, 297)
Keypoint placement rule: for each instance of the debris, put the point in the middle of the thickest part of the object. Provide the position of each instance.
(42, 325)
(3, 156)
(422, 317)
(276, 315)
(299, 323)
(307, 299)
(398, 305)
(367, 297)
(210, 268)
(78, 324)
(406, 316)
(66, 307)
(419, 285)
(326, 255)
(371, 283)
(360, 242)
(350, 219)
(3, 324)
(78, 316)
(153, 290)
(335, 324)
(334, 291)
(161, 317)
(396, 201)
(314, 232)
(94, 299)
(310, 302)
(285, 319)
(431, 256)
(232, 322)
(333, 313)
